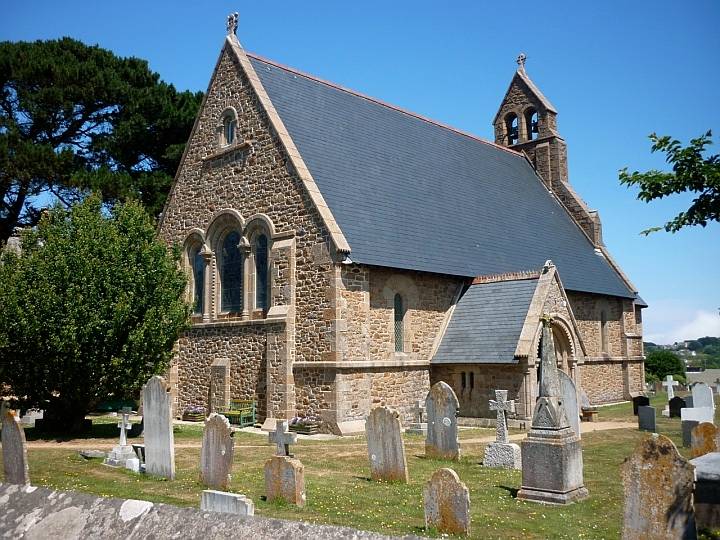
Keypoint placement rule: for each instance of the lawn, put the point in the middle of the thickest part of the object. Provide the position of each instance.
(340, 492)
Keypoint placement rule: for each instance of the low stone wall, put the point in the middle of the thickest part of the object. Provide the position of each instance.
(30, 512)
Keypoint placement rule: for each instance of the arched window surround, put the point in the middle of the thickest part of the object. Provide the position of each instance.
(228, 128)
(512, 128)
(195, 257)
(408, 291)
(532, 123)
(258, 227)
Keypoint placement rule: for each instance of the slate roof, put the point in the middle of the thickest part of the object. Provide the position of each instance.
(486, 324)
(413, 194)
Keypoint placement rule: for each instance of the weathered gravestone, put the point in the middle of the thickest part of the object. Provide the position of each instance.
(419, 426)
(121, 453)
(442, 434)
(643, 401)
(658, 485)
(447, 503)
(502, 453)
(285, 480)
(14, 449)
(675, 405)
(689, 401)
(700, 414)
(552, 463)
(646, 419)
(669, 385)
(703, 439)
(159, 440)
(386, 450)
(216, 455)
(687, 426)
(569, 397)
(282, 438)
(227, 503)
(702, 396)
(706, 498)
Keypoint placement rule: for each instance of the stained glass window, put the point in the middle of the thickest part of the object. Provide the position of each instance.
(229, 130)
(231, 273)
(399, 316)
(198, 270)
(261, 272)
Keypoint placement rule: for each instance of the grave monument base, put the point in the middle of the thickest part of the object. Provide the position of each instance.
(500, 455)
(119, 456)
(417, 428)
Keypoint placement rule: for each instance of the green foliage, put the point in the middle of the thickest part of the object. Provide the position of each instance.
(691, 173)
(661, 363)
(75, 118)
(91, 308)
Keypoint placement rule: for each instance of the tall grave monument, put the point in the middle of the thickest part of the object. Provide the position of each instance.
(442, 406)
(159, 439)
(552, 465)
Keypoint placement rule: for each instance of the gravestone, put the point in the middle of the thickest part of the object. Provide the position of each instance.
(646, 419)
(689, 402)
(447, 503)
(552, 463)
(282, 438)
(687, 427)
(658, 485)
(386, 450)
(442, 431)
(285, 480)
(419, 426)
(569, 397)
(227, 503)
(669, 385)
(700, 414)
(702, 396)
(119, 455)
(645, 402)
(675, 405)
(706, 498)
(14, 448)
(216, 454)
(703, 439)
(502, 453)
(159, 440)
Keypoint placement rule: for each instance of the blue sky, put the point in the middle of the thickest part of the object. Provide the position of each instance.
(615, 70)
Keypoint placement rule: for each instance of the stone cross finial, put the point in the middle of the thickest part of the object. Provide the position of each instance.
(232, 23)
(669, 383)
(419, 410)
(282, 438)
(502, 405)
(124, 425)
(521, 61)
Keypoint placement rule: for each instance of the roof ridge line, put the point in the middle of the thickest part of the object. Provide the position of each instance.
(383, 103)
(507, 276)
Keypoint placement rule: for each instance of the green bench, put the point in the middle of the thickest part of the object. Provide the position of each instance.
(240, 412)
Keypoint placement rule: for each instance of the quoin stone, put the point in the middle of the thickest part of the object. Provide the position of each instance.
(282, 438)
(669, 385)
(159, 439)
(386, 450)
(442, 434)
(646, 419)
(216, 454)
(447, 503)
(569, 396)
(227, 503)
(285, 480)
(703, 439)
(658, 488)
(702, 396)
(502, 453)
(14, 448)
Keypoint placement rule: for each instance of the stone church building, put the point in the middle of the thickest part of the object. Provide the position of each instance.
(343, 252)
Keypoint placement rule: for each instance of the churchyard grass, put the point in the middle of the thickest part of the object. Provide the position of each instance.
(340, 492)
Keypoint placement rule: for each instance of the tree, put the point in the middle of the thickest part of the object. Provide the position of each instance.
(692, 173)
(76, 118)
(91, 308)
(661, 363)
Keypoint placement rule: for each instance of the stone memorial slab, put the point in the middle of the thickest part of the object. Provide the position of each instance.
(706, 498)
(675, 405)
(419, 426)
(658, 485)
(689, 401)
(285, 480)
(442, 434)
(14, 448)
(569, 397)
(386, 450)
(227, 503)
(640, 401)
(702, 396)
(700, 414)
(282, 438)
(703, 439)
(669, 385)
(687, 427)
(159, 439)
(447, 503)
(502, 453)
(646, 419)
(133, 464)
(216, 454)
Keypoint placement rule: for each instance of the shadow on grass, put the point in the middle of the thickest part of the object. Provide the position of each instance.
(96, 431)
(364, 478)
(511, 490)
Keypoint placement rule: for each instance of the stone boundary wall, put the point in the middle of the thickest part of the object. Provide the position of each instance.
(36, 512)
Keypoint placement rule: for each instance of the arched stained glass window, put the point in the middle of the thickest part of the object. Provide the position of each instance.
(198, 273)
(399, 318)
(229, 130)
(261, 273)
(231, 286)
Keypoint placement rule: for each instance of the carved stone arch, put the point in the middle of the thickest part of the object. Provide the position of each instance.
(563, 329)
(257, 225)
(229, 114)
(258, 222)
(195, 242)
(222, 221)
